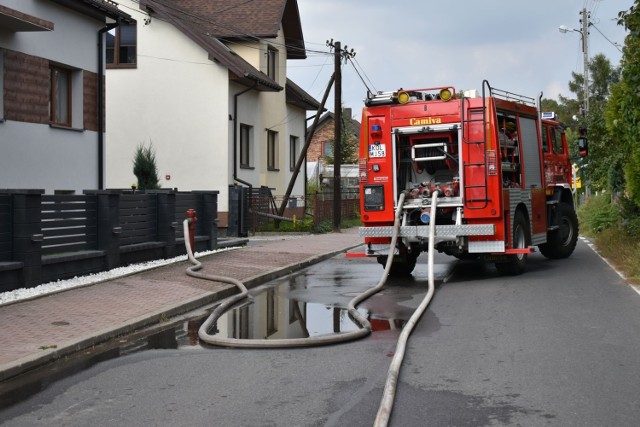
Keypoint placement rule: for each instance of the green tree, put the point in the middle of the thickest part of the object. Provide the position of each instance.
(603, 151)
(623, 114)
(349, 146)
(144, 167)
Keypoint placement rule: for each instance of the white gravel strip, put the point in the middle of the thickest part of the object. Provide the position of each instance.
(61, 285)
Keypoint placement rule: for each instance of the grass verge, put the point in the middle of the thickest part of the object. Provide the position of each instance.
(615, 231)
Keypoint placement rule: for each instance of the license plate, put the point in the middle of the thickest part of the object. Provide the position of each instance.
(377, 150)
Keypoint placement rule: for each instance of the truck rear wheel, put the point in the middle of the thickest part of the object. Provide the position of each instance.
(516, 264)
(562, 242)
(402, 265)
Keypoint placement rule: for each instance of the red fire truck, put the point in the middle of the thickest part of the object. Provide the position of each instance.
(499, 170)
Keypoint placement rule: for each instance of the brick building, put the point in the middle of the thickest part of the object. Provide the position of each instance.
(321, 145)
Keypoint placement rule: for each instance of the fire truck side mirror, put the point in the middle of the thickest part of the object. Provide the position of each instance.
(583, 142)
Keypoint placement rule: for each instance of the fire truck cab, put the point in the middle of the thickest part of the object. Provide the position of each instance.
(489, 168)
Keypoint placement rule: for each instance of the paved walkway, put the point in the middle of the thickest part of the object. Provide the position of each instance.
(37, 331)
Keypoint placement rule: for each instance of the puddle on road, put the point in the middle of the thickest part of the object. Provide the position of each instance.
(272, 312)
(298, 306)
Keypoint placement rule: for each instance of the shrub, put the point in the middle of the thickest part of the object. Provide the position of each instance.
(598, 214)
(630, 213)
(144, 167)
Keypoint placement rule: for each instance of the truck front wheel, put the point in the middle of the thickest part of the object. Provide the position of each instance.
(562, 241)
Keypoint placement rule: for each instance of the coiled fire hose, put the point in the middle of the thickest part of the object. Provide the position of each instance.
(386, 404)
(359, 319)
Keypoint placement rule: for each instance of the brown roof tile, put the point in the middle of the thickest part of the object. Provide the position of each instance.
(242, 19)
(239, 69)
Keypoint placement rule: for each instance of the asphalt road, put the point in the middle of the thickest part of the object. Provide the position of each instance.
(555, 346)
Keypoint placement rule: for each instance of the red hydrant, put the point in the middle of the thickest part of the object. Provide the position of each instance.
(191, 217)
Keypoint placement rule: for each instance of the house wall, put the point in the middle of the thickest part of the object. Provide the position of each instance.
(71, 29)
(275, 118)
(248, 104)
(296, 126)
(250, 52)
(177, 100)
(269, 111)
(33, 154)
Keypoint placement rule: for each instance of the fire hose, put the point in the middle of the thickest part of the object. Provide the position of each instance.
(386, 404)
(388, 395)
(358, 318)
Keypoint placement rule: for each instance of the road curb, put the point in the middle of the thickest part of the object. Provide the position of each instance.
(32, 362)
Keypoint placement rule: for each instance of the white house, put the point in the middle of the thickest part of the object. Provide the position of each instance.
(50, 92)
(204, 82)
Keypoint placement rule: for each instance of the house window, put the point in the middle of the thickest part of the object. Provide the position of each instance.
(121, 46)
(327, 149)
(272, 63)
(272, 150)
(59, 96)
(272, 312)
(241, 322)
(293, 152)
(246, 146)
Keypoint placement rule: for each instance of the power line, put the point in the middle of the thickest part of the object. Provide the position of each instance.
(359, 75)
(606, 38)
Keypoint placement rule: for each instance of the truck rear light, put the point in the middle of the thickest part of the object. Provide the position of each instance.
(492, 159)
(376, 130)
(373, 198)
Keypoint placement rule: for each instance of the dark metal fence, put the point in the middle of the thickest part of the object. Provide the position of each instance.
(45, 238)
(257, 209)
(321, 205)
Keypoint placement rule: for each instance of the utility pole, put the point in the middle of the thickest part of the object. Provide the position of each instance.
(584, 34)
(303, 153)
(339, 54)
(337, 138)
(585, 54)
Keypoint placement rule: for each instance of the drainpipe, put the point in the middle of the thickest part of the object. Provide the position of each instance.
(101, 108)
(235, 135)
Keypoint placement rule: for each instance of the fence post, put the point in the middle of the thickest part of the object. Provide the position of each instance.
(27, 235)
(316, 210)
(208, 217)
(109, 229)
(167, 224)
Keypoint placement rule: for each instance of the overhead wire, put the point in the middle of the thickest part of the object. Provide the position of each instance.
(606, 38)
(359, 75)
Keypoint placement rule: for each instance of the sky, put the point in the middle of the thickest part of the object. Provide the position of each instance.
(411, 44)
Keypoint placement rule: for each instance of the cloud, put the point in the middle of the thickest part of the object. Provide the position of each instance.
(515, 45)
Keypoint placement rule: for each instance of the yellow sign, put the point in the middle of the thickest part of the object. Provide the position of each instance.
(577, 182)
(425, 121)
